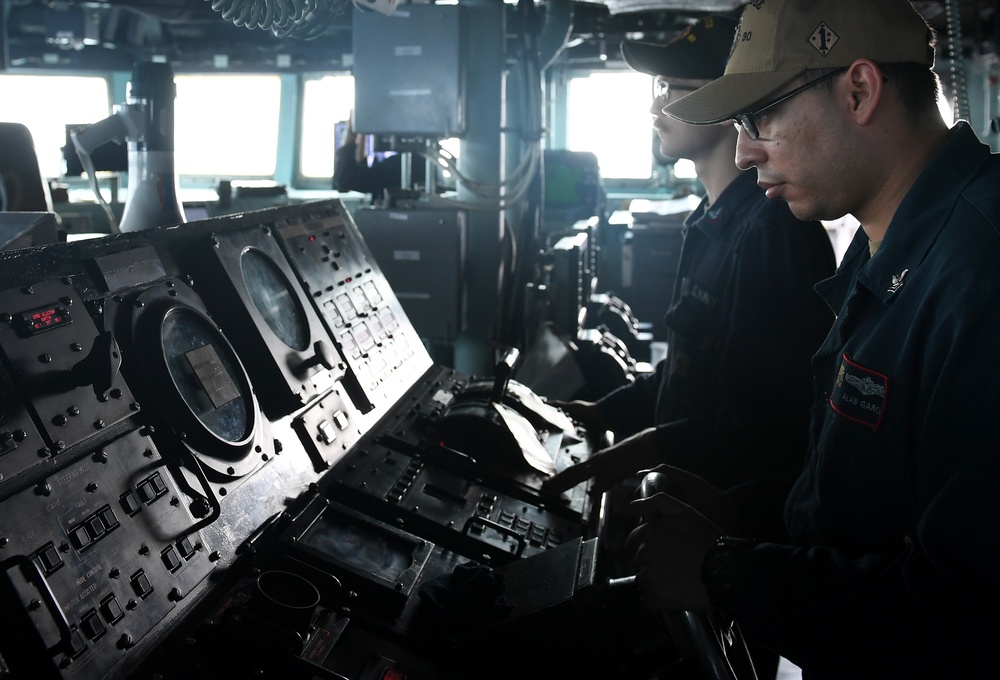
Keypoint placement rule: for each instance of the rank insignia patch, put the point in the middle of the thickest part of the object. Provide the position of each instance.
(860, 394)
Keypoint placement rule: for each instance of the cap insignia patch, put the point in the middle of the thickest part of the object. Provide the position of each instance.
(823, 39)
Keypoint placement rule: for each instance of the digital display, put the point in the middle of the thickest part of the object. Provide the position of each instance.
(361, 546)
(45, 318)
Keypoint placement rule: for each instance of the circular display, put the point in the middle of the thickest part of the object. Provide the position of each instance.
(273, 297)
(200, 364)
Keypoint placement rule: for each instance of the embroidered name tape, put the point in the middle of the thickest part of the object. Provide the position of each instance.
(860, 394)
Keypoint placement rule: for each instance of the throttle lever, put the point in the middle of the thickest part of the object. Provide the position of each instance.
(502, 373)
(652, 483)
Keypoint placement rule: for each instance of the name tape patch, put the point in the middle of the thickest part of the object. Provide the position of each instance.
(860, 394)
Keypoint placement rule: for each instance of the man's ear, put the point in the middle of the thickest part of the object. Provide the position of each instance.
(864, 86)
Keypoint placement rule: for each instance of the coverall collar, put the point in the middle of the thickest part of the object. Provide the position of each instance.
(716, 221)
(923, 213)
(916, 225)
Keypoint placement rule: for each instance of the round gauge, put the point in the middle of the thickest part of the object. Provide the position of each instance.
(274, 299)
(207, 375)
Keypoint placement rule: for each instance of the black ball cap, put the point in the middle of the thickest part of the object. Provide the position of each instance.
(700, 52)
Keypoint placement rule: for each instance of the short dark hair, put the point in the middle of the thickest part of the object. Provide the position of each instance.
(918, 86)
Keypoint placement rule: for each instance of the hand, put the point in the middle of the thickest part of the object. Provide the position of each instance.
(679, 526)
(584, 412)
(668, 549)
(606, 467)
(688, 488)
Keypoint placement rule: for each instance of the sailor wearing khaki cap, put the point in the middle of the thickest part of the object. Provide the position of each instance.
(893, 569)
(779, 40)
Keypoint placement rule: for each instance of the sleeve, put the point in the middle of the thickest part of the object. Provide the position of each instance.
(924, 609)
(774, 323)
(632, 407)
(373, 179)
(760, 504)
(347, 171)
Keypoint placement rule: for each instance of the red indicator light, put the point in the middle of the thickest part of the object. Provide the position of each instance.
(38, 320)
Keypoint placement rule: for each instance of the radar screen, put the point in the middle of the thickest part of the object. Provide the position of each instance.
(253, 293)
(272, 297)
(194, 374)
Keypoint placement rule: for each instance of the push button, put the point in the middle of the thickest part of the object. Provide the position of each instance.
(170, 559)
(94, 527)
(140, 584)
(76, 643)
(185, 548)
(152, 488)
(49, 558)
(130, 504)
(111, 610)
(536, 536)
(108, 519)
(80, 537)
(146, 493)
(91, 625)
(325, 432)
(159, 488)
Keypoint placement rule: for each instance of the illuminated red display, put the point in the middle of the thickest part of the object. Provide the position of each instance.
(45, 318)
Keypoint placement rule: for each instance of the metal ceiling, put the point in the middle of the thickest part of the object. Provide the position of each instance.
(81, 35)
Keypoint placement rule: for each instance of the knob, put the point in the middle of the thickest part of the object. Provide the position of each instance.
(324, 356)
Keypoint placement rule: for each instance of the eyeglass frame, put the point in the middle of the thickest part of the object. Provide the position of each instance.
(660, 82)
(746, 121)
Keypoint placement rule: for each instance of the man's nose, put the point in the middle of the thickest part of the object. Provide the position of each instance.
(749, 153)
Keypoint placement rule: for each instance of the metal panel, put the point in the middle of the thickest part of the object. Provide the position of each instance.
(407, 72)
(422, 254)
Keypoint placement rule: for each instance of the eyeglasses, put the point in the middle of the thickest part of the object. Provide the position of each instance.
(662, 89)
(748, 120)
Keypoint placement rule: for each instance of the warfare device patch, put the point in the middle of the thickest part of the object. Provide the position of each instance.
(860, 394)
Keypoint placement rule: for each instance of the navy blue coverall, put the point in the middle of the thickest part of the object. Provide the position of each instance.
(731, 399)
(896, 517)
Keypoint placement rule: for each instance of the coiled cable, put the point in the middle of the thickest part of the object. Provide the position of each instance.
(304, 19)
(956, 68)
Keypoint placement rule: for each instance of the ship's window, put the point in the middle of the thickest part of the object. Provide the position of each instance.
(45, 104)
(608, 115)
(325, 102)
(227, 125)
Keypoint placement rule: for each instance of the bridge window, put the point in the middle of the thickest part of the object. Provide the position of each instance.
(608, 114)
(227, 125)
(325, 102)
(45, 104)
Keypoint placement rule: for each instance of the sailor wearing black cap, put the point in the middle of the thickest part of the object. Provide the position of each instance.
(730, 401)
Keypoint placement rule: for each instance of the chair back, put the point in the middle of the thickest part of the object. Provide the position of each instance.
(25, 188)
